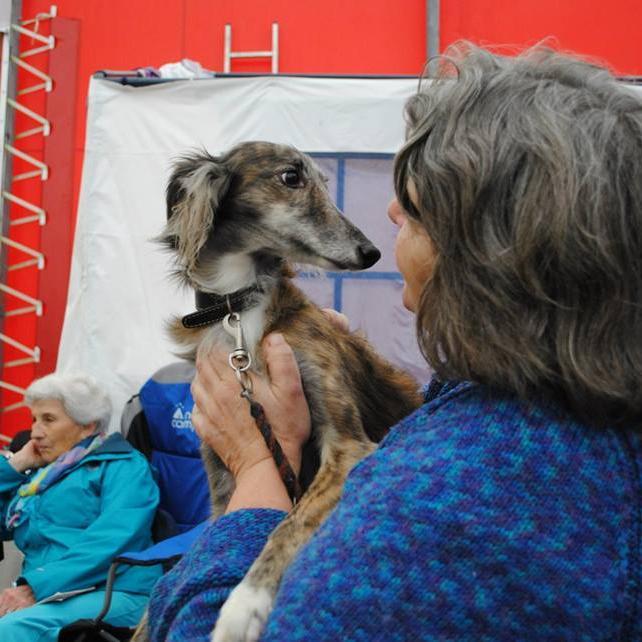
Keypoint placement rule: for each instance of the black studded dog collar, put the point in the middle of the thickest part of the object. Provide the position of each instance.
(212, 308)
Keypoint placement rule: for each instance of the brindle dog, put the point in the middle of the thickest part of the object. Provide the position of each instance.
(237, 221)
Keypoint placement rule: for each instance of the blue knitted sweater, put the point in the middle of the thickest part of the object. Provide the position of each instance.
(479, 517)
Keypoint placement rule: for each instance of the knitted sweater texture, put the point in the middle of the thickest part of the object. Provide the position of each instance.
(479, 517)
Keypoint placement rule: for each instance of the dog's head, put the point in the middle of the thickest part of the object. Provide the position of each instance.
(257, 200)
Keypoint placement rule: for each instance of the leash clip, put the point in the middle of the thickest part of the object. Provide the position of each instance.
(239, 359)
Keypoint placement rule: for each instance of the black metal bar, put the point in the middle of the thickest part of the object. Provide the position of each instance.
(433, 32)
(141, 81)
(109, 589)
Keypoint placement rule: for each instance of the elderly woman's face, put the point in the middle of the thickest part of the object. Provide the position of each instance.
(414, 252)
(53, 430)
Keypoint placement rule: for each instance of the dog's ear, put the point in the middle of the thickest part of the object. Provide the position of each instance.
(195, 190)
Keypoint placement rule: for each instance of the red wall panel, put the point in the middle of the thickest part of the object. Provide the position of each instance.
(373, 37)
(316, 36)
(609, 31)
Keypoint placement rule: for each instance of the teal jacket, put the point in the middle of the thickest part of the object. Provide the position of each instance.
(102, 507)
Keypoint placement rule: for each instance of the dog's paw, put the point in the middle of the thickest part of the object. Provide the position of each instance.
(243, 615)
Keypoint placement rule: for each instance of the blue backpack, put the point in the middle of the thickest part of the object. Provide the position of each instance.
(157, 421)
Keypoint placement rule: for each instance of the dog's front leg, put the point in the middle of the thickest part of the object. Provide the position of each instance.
(221, 482)
(245, 612)
(142, 630)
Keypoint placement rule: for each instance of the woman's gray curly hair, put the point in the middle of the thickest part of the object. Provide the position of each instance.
(82, 398)
(528, 173)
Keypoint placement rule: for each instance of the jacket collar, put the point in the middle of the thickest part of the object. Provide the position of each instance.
(114, 444)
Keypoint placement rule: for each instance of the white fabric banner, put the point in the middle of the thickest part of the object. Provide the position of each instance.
(120, 295)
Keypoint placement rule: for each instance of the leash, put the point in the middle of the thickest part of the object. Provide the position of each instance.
(283, 465)
(240, 361)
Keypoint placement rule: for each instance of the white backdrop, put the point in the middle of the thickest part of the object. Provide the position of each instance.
(119, 294)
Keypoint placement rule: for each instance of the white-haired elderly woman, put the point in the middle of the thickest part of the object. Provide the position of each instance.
(73, 498)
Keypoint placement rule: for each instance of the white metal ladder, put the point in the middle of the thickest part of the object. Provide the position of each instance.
(273, 53)
(27, 211)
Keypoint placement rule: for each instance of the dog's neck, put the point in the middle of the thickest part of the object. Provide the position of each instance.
(235, 271)
(241, 283)
(224, 274)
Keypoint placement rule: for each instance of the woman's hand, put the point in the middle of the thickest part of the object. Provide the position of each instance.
(16, 598)
(338, 319)
(222, 419)
(27, 457)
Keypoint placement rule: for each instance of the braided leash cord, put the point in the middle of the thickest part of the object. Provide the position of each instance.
(240, 361)
(285, 470)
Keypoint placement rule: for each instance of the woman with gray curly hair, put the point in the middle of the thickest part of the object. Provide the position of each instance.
(509, 506)
(73, 498)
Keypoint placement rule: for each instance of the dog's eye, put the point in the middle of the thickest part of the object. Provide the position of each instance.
(292, 178)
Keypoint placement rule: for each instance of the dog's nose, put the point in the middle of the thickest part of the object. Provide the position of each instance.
(369, 255)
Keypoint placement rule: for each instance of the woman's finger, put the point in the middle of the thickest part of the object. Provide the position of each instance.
(339, 319)
(198, 421)
(203, 397)
(281, 363)
(207, 365)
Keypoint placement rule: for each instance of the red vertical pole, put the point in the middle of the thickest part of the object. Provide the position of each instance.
(56, 240)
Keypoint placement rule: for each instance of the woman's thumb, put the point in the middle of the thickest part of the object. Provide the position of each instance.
(280, 361)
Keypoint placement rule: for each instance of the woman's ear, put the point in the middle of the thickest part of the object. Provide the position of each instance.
(89, 429)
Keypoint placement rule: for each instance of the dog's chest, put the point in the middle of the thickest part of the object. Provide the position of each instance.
(252, 325)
